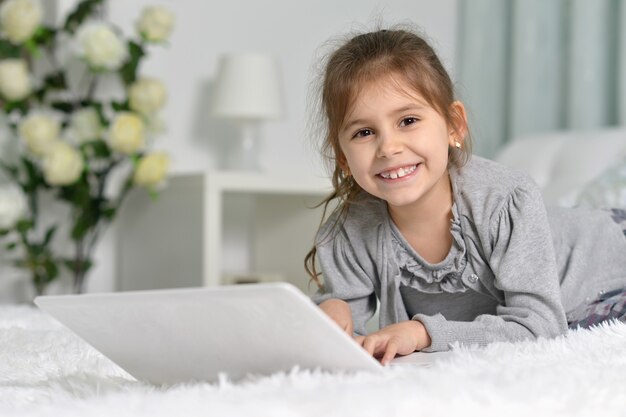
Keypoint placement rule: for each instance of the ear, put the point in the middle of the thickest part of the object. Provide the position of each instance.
(457, 129)
(343, 164)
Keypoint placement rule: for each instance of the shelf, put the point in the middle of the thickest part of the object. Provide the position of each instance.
(207, 227)
(282, 189)
(252, 182)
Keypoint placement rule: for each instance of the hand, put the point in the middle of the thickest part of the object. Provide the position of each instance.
(340, 312)
(401, 338)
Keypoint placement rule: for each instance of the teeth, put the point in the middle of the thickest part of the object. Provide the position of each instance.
(398, 173)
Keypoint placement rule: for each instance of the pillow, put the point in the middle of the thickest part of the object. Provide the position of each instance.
(608, 190)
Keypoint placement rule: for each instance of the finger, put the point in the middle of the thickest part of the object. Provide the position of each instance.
(347, 327)
(359, 339)
(370, 344)
(350, 328)
(390, 352)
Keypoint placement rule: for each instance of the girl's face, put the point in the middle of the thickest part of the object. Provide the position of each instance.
(396, 146)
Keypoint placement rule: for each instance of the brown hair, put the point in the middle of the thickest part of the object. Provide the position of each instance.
(366, 57)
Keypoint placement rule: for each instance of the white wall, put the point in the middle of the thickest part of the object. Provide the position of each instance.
(290, 30)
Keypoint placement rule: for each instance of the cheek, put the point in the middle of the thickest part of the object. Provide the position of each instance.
(350, 164)
(346, 156)
(354, 160)
(446, 138)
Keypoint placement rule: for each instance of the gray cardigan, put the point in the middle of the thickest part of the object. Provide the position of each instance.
(537, 264)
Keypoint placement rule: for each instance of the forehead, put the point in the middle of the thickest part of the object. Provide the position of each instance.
(390, 88)
(387, 87)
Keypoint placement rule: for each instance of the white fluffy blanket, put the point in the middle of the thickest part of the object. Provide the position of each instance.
(46, 371)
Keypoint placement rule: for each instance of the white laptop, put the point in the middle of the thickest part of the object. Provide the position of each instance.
(196, 334)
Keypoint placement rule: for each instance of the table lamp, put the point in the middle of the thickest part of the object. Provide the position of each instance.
(248, 91)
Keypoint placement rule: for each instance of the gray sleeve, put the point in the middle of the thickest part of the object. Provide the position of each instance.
(523, 262)
(345, 279)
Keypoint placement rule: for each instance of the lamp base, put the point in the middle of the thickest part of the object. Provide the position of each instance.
(245, 156)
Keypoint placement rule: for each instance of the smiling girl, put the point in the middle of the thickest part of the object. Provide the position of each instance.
(455, 249)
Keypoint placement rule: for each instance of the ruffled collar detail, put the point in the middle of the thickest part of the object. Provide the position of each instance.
(416, 272)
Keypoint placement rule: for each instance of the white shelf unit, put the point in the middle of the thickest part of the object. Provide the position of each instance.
(218, 187)
(188, 236)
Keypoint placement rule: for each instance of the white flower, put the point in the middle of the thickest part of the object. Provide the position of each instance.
(14, 79)
(85, 125)
(151, 169)
(20, 19)
(155, 24)
(127, 133)
(39, 131)
(62, 164)
(155, 125)
(12, 206)
(100, 46)
(147, 95)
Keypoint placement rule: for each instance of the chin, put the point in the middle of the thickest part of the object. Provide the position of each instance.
(401, 202)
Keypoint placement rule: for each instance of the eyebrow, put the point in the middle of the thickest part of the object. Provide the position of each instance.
(409, 107)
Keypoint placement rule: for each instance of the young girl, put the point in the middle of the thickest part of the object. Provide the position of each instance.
(455, 249)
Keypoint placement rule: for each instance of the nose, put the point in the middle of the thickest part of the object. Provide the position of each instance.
(389, 145)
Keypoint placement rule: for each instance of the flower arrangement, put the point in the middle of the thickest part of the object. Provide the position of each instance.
(69, 141)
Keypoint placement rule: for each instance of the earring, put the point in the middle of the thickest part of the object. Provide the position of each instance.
(457, 145)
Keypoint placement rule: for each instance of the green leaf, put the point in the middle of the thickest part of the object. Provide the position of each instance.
(44, 36)
(80, 229)
(77, 194)
(154, 194)
(97, 149)
(33, 48)
(40, 94)
(89, 210)
(109, 213)
(128, 72)
(100, 110)
(9, 50)
(62, 106)
(49, 235)
(84, 223)
(83, 10)
(21, 106)
(34, 176)
(20, 263)
(73, 265)
(11, 171)
(56, 81)
(135, 158)
(52, 270)
(24, 226)
(10, 246)
(119, 106)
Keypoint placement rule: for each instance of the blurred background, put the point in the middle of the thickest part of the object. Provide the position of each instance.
(524, 68)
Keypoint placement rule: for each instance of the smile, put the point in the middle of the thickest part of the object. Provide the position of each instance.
(398, 173)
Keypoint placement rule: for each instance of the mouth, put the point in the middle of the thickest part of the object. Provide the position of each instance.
(396, 173)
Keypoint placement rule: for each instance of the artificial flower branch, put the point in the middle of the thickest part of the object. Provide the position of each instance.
(72, 141)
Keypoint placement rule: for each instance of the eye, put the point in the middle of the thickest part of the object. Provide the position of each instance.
(408, 121)
(363, 133)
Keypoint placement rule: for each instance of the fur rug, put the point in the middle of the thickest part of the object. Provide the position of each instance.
(47, 371)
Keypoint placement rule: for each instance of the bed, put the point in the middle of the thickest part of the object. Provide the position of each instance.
(45, 370)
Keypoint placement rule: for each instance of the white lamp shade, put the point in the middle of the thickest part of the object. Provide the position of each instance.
(248, 87)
